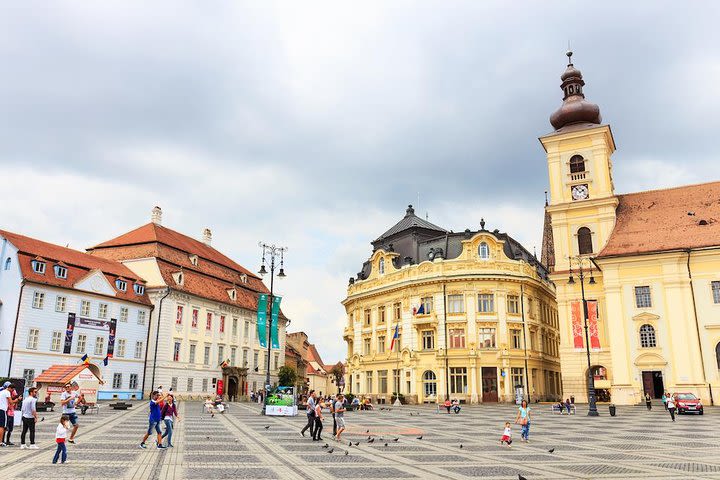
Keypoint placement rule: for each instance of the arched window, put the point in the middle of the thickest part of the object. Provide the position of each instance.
(429, 383)
(647, 336)
(382, 266)
(598, 372)
(717, 354)
(577, 164)
(584, 239)
(7, 263)
(484, 251)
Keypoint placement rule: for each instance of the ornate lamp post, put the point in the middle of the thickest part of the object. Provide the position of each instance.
(580, 260)
(271, 252)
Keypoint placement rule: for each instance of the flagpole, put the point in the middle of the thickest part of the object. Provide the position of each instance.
(397, 368)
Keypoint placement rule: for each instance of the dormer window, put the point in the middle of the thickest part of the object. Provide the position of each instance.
(232, 293)
(121, 285)
(60, 271)
(243, 278)
(194, 260)
(139, 289)
(8, 261)
(381, 266)
(577, 164)
(179, 278)
(38, 266)
(484, 251)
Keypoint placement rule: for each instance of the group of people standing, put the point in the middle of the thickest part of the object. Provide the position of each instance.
(9, 400)
(314, 411)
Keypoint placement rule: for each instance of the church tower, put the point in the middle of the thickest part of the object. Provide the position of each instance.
(582, 198)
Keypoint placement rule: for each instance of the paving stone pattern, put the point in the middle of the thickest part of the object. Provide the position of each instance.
(236, 445)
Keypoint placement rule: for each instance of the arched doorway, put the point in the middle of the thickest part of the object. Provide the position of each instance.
(602, 383)
(235, 379)
(232, 388)
(429, 385)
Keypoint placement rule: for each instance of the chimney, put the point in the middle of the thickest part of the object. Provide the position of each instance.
(207, 237)
(156, 215)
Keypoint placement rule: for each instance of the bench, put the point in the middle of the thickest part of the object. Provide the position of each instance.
(562, 411)
(91, 407)
(45, 406)
(120, 406)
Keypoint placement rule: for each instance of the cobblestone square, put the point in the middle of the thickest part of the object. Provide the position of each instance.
(634, 444)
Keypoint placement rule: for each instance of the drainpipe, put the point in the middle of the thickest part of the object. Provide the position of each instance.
(17, 316)
(522, 310)
(697, 326)
(157, 338)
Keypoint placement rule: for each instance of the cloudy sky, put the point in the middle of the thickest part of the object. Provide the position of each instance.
(314, 124)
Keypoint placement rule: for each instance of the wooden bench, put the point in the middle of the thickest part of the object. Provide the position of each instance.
(120, 406)
(45, 406)
(90, 407)
(562, 411)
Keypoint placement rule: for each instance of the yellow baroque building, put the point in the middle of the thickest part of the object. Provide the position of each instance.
(654, 258)
(475, 315)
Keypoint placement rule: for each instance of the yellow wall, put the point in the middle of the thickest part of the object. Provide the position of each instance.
(467, 275)
(679, 337)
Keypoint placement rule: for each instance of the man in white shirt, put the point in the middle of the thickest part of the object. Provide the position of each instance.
(67, 400)
(29, 417)
(4, 402)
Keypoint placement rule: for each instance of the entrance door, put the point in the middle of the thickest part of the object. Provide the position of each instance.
(232, 388)
(489, 384)
(653, 383)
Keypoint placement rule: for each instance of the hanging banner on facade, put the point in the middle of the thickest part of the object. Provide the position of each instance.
(67, 348)
(274, 322)
(577, 327)
(593, 323)
(111, 338)
(262, 319)
(92, 324)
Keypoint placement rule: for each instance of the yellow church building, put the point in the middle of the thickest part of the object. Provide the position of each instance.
(650, 262)
(435, 314)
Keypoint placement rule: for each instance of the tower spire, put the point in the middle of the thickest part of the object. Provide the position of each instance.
(575, 108)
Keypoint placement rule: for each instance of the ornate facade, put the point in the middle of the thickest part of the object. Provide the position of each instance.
(474, 313)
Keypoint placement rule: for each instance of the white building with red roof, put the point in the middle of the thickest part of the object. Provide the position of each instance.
(207, 309)
(58, 304)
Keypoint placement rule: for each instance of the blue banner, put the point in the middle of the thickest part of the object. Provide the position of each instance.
(262, 319)
(274, 325)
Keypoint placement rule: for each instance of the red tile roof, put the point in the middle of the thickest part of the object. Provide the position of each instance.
(61, 373)
(664, 220)
(211, 278)
(153, 233)
(78, 265)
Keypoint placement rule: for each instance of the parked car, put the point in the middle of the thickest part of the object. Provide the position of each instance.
(688, 403)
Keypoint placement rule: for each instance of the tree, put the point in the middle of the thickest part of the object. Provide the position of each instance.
(287, 376)
(338, 371)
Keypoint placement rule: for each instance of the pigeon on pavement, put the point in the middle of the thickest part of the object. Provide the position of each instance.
(371, 440)
(386, 444)
(346, 452)
(551, 450)
(520, 477)
(420, 437)
(331, 450)
(396, 439)
(356, 443)
(325, 446)
(267, 426)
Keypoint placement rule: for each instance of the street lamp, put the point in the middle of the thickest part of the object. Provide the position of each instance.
(271, 252)
(580, 260)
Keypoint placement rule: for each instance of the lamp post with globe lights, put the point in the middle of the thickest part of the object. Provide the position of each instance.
(270, 253)
(582, 270)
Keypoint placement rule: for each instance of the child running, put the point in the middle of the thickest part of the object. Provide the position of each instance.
(60, 435)
(507, 435)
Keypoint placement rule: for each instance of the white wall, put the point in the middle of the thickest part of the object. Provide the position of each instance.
(10, 281)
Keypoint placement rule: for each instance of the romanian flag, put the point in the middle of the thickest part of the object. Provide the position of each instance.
(85, 359)
(224, 364)
(395, 336)
(420, 310)
(106, 360)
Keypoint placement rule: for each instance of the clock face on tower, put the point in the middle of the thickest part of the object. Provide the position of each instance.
(580, 192)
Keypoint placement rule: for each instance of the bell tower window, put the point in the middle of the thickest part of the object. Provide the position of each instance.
(577, 163)
(584, 239)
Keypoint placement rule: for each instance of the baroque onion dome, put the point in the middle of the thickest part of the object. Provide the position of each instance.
(575, 109)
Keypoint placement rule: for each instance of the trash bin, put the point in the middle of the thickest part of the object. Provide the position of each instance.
(612, 410)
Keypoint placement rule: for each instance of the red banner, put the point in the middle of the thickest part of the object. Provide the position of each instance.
(577, 327)
(593, 324)
(219, 387)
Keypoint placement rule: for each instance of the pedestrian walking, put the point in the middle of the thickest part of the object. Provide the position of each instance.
(318, 421)
(154, 420)
(5, 402)
(310, 412)
(340, 416)
(507, 435)
(10, 426)
(29, 418)
(61, 433)
(671, 406)
(169, 416)
(648, 402)
(523, 418)
(333, 399)
(67, 400)
(664, 400)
